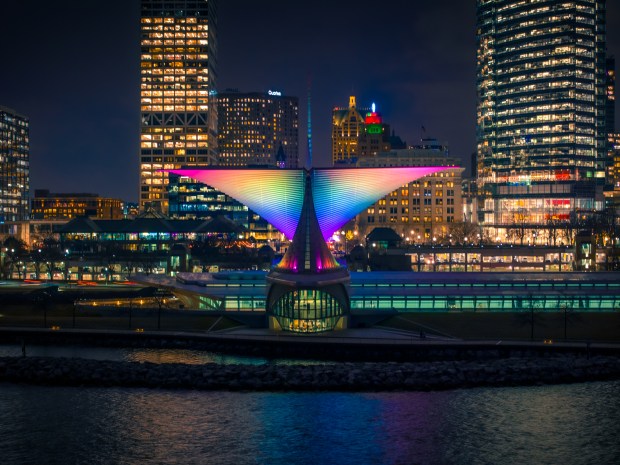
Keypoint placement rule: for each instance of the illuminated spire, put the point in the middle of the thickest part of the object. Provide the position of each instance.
(309, 161)
(308, 252)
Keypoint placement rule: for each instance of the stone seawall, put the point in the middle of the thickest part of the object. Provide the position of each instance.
(345, 376)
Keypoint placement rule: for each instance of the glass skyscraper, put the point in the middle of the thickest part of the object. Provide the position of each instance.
(541, 135)
(14, 165)
(177, 87)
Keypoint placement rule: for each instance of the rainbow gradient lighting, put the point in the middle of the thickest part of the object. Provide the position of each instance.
(338, 193)
(275, 194)
(341, 193)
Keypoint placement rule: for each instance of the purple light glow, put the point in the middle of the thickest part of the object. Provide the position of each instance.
(339, 193)
(275, 194)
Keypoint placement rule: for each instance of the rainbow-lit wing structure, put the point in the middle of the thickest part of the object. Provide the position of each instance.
(338, 193)
(341, 193)
(274, 194)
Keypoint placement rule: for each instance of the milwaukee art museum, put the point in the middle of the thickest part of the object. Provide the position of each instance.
(308, 291)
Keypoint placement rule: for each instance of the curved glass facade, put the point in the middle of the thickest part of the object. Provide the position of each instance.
(307, 311)
(541, 106)
(432, 292)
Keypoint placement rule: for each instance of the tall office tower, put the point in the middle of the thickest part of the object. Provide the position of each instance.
(610, 93)
(375, 137)
(177, 84)
(254, 126)
(347, 127)
(14, 165)
(610, 123)
(540, 114)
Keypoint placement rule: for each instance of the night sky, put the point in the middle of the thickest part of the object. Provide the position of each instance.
(72, 67)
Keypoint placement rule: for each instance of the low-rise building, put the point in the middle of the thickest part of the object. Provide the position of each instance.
(53, 206)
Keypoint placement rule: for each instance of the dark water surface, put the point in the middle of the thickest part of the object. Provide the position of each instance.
(562, 424)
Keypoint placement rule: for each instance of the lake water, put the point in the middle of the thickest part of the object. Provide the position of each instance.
(562, 424)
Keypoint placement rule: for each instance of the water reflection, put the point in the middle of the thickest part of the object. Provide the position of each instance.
(570, 424)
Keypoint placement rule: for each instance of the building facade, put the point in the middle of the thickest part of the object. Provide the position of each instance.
(612, 191)
(51, 206)
(610, 93)
(14, 165)
(177, 85)
(347, 127)
(253, 127)
(375, 137)
(190, 199)
(424, 209)
(612, 182)
(541, 137)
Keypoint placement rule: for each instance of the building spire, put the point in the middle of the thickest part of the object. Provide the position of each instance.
(308, 252)
(309, 160)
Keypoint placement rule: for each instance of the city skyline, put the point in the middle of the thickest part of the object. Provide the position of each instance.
(77, 82)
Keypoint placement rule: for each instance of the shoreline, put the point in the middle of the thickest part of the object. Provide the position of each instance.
(357, 362)
(356, 346)
(345, 376)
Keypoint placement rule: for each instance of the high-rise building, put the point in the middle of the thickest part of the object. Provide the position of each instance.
(347, 128)
(14, 165)
(253, 127)
(610, 93)
(375, 137)
(177, 86)
(540, 114)
(611, 173)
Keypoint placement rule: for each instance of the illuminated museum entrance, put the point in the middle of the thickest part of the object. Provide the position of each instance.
(308, 289)
(307, 311)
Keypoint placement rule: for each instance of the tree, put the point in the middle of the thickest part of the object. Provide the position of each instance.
(15, 251)
(606, 226)
(529, 312)
(573, 225)
(109, 256)
(131, 259)
(52, 256)
(570, 316)
(462, 232)
(518, 228)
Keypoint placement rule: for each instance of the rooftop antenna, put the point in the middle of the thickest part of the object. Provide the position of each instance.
(309, 160)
